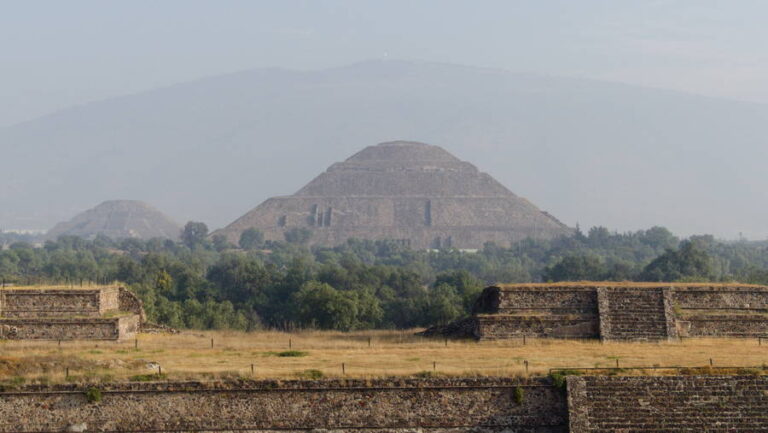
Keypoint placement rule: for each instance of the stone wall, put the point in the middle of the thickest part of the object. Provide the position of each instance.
(46, 303)
(439, 405)
(698, 404)
(89, 328)
(492, 327)
(617, 311)
(130, 303)
(59, 302)
(69, 314)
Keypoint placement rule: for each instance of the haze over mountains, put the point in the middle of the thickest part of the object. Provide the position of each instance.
(590, 152)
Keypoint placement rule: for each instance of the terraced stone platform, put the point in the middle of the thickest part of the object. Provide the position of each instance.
(614, 311)
(69, 313)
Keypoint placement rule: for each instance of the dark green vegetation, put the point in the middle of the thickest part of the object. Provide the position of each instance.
(205, 283)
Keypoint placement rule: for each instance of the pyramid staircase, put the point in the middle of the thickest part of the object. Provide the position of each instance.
(635, 314)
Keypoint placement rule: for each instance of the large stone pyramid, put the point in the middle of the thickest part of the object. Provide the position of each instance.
(412, 192)
(119, 219)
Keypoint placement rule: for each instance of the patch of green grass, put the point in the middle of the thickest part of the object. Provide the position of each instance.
(312, 374)
(287, 354)
(558, 377)
(95, 352)
(147, 377)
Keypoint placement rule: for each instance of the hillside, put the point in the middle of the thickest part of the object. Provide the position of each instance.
(590, 152)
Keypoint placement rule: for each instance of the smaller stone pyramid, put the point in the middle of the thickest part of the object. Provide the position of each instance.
(119, 219)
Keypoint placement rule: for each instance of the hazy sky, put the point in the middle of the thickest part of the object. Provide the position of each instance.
(54, 54)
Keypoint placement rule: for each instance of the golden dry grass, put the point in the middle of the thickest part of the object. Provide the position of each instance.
(190, 356)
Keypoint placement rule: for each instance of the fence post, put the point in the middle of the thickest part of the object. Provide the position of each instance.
(66, 373)
(526, 366)
(343, 368)
(159, 370)
(369, 341)
(136, 344)
(617, 362)
(290, 344)
(434, 366)
(524, 342)
(251, 369)
(710, 362)
(211, 342)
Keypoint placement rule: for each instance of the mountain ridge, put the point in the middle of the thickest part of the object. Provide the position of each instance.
(592, 152)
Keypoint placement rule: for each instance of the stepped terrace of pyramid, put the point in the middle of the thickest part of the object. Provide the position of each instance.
(615, 311)
(415, 193)
(69, 313)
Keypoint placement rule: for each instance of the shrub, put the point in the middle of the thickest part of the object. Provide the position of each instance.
(519, 395)
(558, 377)
(93, 395)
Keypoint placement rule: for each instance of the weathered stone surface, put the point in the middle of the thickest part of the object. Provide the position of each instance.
(413, 192)
(119, 219)
(69, 314)
(615, 311)
(58, 302)
(440, 405)
(89, 328)
(701, 404)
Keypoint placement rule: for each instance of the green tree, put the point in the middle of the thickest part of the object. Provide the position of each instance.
(194, 234)
(298, 235)
(575, 268)
(251, 239)
(443, 305)
(690, 262)
(320, 305)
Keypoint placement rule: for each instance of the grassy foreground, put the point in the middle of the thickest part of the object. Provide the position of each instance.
(313, 354)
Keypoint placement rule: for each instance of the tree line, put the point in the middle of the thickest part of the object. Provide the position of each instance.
(205, 282)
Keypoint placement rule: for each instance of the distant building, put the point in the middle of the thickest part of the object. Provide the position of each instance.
(118, 219)
(413, 192)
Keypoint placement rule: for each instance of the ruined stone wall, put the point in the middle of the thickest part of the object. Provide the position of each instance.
(130, 303)
(48, 303)
(42, 328)
(495, 327)
(568, 300)
(439, 405)
(736, 311)
(699, 404)
(555, 312)
(109, 300)
(622, 311)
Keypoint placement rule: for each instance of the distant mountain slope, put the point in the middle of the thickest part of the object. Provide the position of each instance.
(587, 151)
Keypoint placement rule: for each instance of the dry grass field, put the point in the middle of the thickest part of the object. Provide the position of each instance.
(391, 353)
